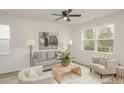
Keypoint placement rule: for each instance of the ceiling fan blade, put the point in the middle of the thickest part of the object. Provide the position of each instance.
(57, 14)
(76, 15)
(68, 19)
(69, 11)
(59, 18)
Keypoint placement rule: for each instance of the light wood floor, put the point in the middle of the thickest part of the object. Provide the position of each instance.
(68, 78)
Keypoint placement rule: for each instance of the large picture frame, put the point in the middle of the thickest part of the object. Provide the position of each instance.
(48, 40)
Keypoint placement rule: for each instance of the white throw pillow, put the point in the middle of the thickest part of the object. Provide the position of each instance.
(96, 60)
(27, 72)
(30, 74)
(103, 61)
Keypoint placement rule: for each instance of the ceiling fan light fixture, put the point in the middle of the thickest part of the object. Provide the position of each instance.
(65, 18)
(66, 15)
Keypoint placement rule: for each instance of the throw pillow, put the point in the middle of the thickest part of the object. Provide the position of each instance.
(96, 60)
(27, 71)
(51, 54)
(30, 74)
(41, 56)
(103, 61)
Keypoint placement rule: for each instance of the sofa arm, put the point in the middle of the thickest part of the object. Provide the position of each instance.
(34, 60)
(111, 63)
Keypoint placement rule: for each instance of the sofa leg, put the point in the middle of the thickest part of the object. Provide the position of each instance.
(90, 69)
(115, 75)
(101, 76)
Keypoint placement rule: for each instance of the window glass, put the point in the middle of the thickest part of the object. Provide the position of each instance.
(100, 38)
(4, 39)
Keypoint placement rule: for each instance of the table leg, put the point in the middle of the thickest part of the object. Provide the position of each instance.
(77, 71)
(57, 76)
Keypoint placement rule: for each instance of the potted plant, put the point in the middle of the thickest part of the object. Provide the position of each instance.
(64, 56)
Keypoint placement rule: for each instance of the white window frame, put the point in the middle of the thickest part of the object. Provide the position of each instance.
(82, 39)
(96, 39)
(6, 39)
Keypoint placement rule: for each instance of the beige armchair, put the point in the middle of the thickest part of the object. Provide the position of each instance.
(34, 75)
(103, 66)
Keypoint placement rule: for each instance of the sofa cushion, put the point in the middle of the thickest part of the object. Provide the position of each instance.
(40, 56)
(100, 66)
(95, 65)
(46, 62)
(51, 54)
(30, 74)
(56, 61)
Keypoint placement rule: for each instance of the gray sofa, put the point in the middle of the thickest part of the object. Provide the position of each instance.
(45, 58)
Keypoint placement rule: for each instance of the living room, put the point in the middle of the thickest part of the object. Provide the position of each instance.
(26, 30)
(61, 46)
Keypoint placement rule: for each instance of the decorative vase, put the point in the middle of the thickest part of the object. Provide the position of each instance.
(65, 63)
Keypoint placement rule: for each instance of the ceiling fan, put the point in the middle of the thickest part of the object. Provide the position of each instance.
(66, 15)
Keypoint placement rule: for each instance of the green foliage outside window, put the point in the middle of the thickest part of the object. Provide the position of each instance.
(105, 32)
(105, 45)
(88, 34)
(104, 39)
(88, 44)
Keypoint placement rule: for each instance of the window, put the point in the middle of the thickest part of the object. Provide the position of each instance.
(105, 38)
(4, 39)
(99, 39)
(88, 39)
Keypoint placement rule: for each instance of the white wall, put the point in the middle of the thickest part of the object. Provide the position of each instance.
(22, 30)
(85, 57)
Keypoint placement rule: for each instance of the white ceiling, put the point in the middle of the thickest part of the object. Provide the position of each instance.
(45, 14)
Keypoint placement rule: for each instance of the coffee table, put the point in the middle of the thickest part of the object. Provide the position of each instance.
(58, 70)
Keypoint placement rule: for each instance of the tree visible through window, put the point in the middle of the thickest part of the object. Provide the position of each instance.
(88, 39)
(4, 39)
(106, 38)
(101, 39)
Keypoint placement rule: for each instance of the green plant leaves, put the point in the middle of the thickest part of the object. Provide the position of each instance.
(64, 55)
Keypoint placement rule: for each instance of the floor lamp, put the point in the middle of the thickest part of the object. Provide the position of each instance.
(30, 43)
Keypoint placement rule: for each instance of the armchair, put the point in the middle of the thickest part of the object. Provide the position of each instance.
(34, 75)
(103, 66)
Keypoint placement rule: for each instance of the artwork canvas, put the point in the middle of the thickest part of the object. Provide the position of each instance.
(48, 40)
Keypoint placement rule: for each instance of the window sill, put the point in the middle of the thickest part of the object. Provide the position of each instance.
(5, 53)
(98, 52)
